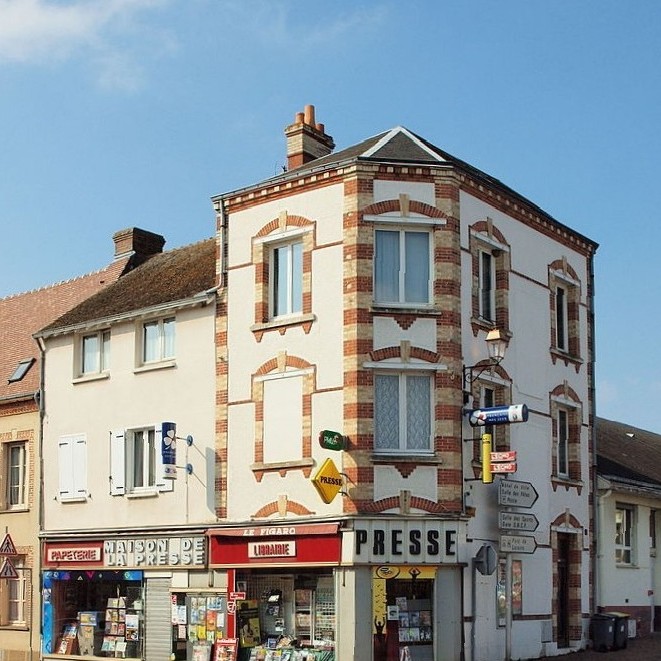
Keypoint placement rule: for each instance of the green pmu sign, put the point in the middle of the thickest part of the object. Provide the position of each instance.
(331, 440)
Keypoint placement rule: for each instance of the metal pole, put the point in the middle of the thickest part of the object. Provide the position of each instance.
(508, 607)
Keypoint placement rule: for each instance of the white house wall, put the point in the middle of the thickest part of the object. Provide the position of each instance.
(183, 394)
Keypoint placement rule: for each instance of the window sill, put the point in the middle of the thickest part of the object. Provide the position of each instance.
(386, 458)
(150, 367)
(404, 308)
(281, 324)
(625, 565)
(79, 499)
(101, 376)
(148, 493)
(282, 467)
(567, 483)
(558, 354)
(14, 627)
(21, 508)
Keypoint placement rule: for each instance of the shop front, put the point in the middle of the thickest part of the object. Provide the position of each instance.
(281, 589)
(412, 570)
(116, 596)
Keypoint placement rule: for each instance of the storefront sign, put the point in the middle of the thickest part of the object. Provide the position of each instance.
(279, 549)
(310, 544)
(399, 542)
(75, 554)
(155, 552)
(328, 481)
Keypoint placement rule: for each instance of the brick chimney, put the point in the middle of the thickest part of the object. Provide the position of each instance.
(137, 242)
(306, 140)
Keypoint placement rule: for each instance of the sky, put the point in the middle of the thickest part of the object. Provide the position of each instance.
(134, 113)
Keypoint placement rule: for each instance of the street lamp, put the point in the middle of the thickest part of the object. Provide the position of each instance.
(496, 346)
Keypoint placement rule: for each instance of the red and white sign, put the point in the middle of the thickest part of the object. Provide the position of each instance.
(504, 456)
(278, 531)
(87, 553)
(237, 596)
(275, 549)
(504, 468)
(7, 547)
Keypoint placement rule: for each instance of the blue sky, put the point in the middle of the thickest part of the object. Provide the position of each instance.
(121, 113)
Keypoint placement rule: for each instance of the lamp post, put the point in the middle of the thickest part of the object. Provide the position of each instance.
(496, 347)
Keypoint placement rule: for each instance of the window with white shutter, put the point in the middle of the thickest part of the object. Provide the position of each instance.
(73, 467)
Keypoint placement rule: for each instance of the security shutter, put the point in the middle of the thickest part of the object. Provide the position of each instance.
(158, 620)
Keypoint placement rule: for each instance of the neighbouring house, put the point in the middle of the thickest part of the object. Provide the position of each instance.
(21, 406)
(128, 458)
(355, 515)
(628, 571)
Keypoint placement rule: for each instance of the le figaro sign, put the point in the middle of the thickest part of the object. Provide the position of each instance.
(401, 542)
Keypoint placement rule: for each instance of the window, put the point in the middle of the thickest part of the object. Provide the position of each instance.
(561, 318)
(487, 280)
(490, 271)
(402, 267)
(16, 465)
(158, 340)
(136, 462)
(624, 521)
(287, 279)
(562, 422)
(95, 353)
(565, 306)
(402, 412)
(21, 370)
(14, 599)
(72, 454)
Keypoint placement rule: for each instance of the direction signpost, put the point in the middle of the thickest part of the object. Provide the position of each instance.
(517, 544)
(517, 521)
(515, 493)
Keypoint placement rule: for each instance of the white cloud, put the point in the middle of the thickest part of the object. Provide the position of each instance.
(47, 31)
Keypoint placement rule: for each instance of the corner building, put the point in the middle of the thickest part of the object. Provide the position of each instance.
(356, 293)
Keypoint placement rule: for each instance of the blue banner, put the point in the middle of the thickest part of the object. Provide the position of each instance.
(169, 450)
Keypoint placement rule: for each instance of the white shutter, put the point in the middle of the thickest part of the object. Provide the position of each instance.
(65, 457)
(117, 463)
(161, 483)
(79, 462)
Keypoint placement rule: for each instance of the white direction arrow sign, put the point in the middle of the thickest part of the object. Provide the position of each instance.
(514, 493)
(517, 544)
(517, 521)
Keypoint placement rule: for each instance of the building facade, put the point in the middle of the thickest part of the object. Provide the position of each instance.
(629, 501)
(357, 291)
(128, 441)
(21, 408)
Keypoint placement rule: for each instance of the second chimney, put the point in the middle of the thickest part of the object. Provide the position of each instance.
(306, 140)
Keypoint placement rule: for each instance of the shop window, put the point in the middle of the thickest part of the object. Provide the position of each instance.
(287, 611)
(158, 339)
(624, 534)
(72, 467)
(403, 613)
(403, 412)
(137, 463)
(402, 267)
(15, 474)
(93, 613)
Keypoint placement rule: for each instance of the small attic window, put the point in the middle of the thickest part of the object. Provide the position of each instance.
(21, 370)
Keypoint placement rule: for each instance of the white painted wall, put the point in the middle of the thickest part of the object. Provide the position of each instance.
(183, 394)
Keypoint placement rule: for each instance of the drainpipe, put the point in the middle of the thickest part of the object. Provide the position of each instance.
(40, 397)
(596, 586)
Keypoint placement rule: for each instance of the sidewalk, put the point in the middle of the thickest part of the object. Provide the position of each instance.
(637, 649)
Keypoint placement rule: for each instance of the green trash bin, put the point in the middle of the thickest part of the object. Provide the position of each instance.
(621, 629)
(603, 632)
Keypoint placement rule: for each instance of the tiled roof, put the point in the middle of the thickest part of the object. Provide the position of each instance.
(163, 278)
(21, 315)
(627, 452)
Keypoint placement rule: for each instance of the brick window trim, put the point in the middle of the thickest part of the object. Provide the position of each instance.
(560, 273)
(563, 397)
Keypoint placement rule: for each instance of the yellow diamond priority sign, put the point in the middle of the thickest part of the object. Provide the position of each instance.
(328, 481)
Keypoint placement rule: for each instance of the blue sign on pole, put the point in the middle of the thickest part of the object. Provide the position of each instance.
(169, 450)
(498, 415)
